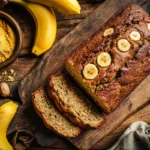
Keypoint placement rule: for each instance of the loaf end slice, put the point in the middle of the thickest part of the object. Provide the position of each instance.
(51, 117)
(71, 101)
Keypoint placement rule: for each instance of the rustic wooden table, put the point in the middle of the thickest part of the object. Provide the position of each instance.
(26, 62)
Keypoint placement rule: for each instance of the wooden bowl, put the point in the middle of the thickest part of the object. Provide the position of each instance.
(15, 26)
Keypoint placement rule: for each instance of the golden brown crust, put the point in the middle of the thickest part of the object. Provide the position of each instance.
(114, 78)
(44, 119)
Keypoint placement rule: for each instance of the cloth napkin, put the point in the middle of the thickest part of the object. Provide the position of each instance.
(22, 139)
(136, 137)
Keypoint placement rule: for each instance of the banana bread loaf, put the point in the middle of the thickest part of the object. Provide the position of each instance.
(71, 101)
(115, 59)
(51, 117)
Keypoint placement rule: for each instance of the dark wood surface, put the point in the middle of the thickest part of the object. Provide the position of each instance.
(26, 63)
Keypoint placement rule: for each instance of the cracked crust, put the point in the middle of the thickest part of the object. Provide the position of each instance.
(116, 82)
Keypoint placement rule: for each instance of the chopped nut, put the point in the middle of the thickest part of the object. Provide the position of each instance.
(10, 78)
(4, 89)
(11, 71)
(4, 73)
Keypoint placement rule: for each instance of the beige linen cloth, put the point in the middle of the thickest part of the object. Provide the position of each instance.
(136, 137)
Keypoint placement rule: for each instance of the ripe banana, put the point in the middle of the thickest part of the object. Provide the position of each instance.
(90, 71)
(45, 25)
(108, 32)
(64, 6)
(7, 112)
(148, 26)
(135, 36)
(123, 45)
(103, 59)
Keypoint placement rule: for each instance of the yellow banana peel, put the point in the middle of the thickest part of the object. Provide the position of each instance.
(46, 26)
(7, 112)
(64, 6)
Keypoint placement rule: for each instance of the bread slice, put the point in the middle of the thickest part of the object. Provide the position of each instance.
(52, 118)
(70, 100)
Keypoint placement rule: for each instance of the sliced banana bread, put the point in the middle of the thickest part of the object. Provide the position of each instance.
(52, 118)
(71, 101)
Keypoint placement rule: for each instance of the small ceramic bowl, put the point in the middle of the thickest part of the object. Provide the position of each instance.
(15, 26)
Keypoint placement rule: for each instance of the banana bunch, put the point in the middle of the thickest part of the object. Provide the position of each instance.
(45, 19)
(64, 6)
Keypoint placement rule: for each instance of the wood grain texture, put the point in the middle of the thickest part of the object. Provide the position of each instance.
(143, 114)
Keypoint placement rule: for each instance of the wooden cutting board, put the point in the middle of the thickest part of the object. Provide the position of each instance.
(54, 60)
